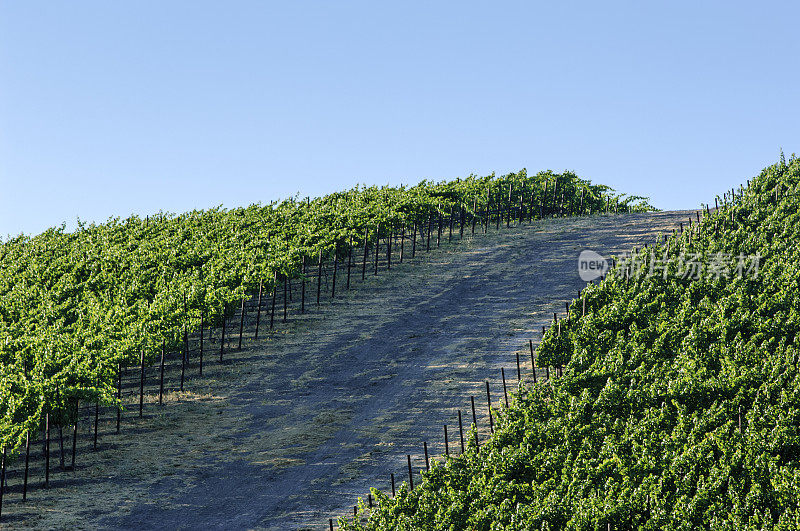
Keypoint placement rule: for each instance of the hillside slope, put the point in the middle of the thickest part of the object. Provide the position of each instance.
(679, 405)
(291, 430)
(75, 308)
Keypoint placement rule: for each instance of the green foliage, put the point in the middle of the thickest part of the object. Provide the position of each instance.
(643, 430)
(74, 306)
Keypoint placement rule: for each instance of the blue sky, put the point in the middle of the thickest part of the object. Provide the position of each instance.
(114, 108)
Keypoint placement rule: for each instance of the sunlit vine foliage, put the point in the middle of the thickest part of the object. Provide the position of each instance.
(679, 405)
(76, 305)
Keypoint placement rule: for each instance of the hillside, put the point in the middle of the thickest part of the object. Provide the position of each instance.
(679, 402)
(77, 307)
(291, 429)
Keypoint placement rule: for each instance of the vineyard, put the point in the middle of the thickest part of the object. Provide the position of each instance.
(674, 400)
(78, 308)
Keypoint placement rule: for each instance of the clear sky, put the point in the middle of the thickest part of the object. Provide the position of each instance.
(113, 108)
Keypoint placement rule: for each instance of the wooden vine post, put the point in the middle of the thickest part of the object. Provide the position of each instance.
(27, 465)
(141, 383)
(503, 376)
(489, 408)
(335, 268)
(410, 473)
(499, 217)
(389, 240)
(202, 328)
(474, 214)
(319, 276)
(461, 431)
(364, 263)
(430, 222)
(183, 364)
(47, 448)
(161, 379)
(414, 241)
(241, 328)
(119, 399)
(377, 246)
(349, 261)
(450, 233)
(474, 420)
(222, 339)
(402, 242)
(74, 435)
(541, 204)
(2, 478)
(508, 208)
(303, 285)
(258, 305)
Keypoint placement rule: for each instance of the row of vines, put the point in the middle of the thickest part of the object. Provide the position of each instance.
(75, 306)
(679, 402)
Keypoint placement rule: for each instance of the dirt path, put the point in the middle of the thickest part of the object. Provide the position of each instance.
(291, 430)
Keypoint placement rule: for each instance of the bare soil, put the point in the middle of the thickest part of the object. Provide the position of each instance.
(292, 429)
